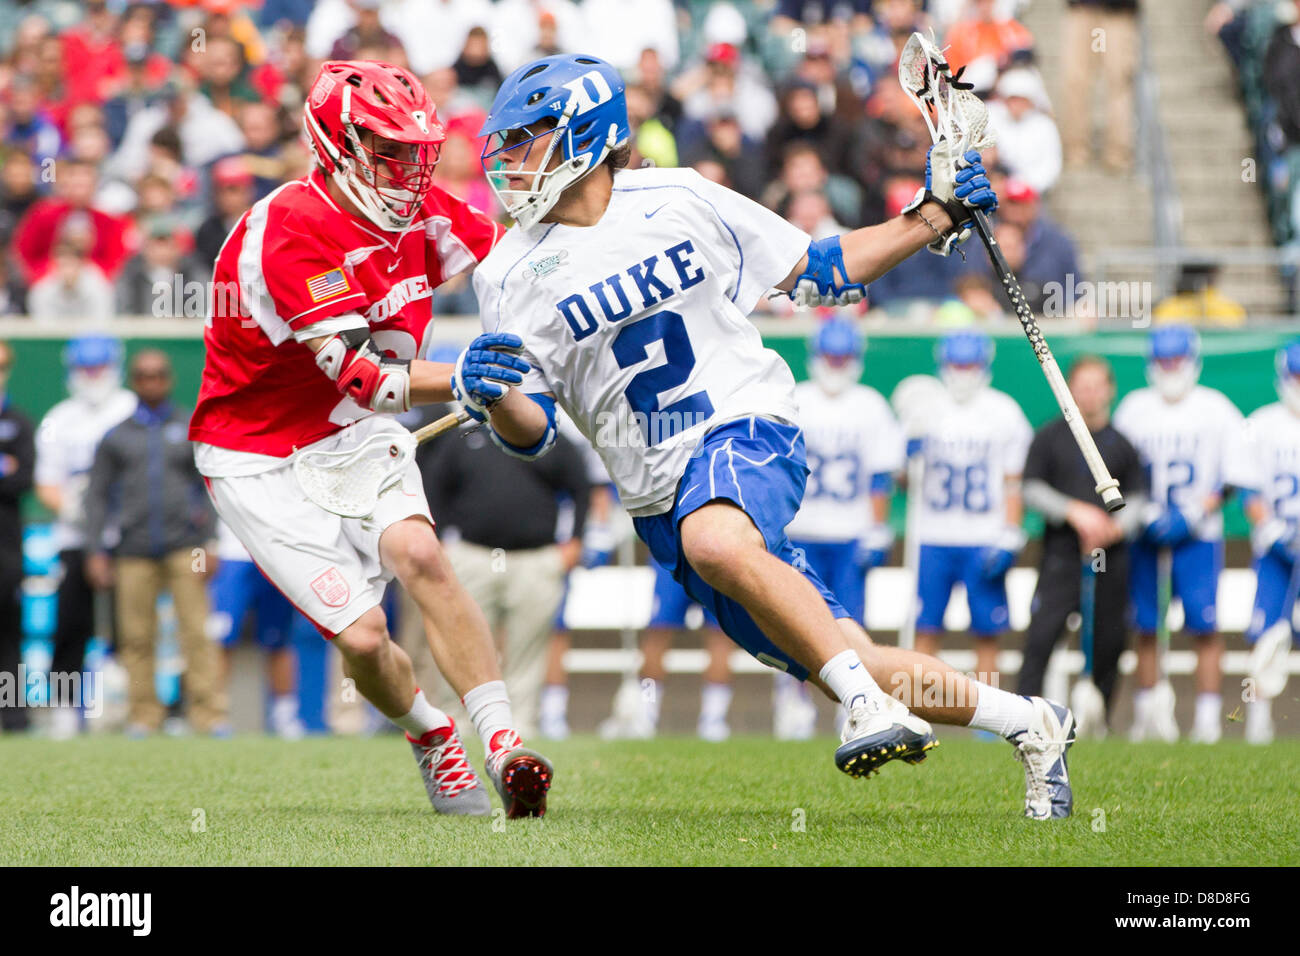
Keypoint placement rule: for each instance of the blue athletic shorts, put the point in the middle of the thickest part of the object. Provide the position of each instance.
(239, 587)
(942, 566)
(672, 602)
(1272, 578)
(836, 563)
(1196, 567)
(758, 465)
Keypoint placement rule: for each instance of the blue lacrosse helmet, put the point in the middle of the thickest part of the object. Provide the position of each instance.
(1287, 364)
(965, 348)
(835, 356)
(585, 98)
(1174, 360)
(965, 360)
(92, 351)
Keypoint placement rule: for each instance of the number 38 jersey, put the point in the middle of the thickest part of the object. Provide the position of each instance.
(639, 324)
(969, 449)
(1270, 460)
(1186, 445)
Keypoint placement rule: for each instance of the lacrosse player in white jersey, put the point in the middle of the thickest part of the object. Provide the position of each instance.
(623, 296)
(1185, 433)
(1268, 472)
(854, 447)
(974, 444)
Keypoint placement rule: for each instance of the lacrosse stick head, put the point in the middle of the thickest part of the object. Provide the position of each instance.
(348, 481)
(951, 109)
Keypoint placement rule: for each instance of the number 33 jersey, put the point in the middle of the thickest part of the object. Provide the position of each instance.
(639, 324)
(1186, 445)
(969, 449)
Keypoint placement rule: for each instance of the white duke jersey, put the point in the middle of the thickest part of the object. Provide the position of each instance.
(1270, 460)
(969, 450)
(848, 438)
(639, 325)
(1185, 446)
(65, 449)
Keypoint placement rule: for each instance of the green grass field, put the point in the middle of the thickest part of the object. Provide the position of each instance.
(256, 801)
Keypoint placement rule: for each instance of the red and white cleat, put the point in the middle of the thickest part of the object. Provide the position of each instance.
(449, 780)
(521, 776)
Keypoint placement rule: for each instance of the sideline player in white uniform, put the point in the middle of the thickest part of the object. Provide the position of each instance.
(1186, 433)
(854, 448)
(974, 446)
(624, 297)
(65, 449)
(1268, 472)
(321, 304)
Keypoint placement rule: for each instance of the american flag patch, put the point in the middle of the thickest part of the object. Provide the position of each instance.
(327, 285)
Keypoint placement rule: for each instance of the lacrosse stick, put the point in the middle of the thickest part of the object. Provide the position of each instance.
(1162, 695)
(912, 401)
(349, 481)
(955, 114)
(1086, 700)
(1271, 653)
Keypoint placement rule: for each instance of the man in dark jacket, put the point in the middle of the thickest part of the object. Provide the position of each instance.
(1078, 530)
(506, 516)
(144, 478)
(17, 456)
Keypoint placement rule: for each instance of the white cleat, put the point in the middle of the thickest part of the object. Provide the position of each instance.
(794, 718)
(1042, 748)
(1205, 732)
(1259, 723)
(881, 729)
(449, 780)
(714, 731)
(629, 720)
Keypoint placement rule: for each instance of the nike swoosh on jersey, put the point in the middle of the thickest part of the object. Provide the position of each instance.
(394, 265)
(649, 214)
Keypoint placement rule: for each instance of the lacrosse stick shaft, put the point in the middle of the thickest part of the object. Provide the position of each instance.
(1107, 487)
(1087, 616)
(1164, 597)
(436, 428)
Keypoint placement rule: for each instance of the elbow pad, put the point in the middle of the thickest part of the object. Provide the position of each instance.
(817, 285)
(543, 445)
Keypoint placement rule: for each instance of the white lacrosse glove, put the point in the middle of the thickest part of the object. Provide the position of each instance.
(959, 184)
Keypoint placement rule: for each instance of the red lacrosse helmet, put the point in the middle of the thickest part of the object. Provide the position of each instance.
(388, 174)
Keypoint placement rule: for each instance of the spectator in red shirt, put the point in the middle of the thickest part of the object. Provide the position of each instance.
(74, 189)
(92, 55)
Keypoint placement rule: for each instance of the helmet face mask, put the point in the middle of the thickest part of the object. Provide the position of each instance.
(374, 130)
(965, 364)
(94, 366)
(836, 360)
(572, 109)
(1174, 362)
(1287, 364)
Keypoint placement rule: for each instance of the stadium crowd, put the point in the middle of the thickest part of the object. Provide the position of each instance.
(135, 134)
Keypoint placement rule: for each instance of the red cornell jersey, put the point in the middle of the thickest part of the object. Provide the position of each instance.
(296, 260)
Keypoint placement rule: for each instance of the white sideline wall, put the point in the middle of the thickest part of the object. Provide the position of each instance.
(620, 598)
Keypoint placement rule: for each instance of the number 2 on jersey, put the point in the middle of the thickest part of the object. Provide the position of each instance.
(642, 393)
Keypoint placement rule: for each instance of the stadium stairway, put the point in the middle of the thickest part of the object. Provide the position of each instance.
(1209, 145)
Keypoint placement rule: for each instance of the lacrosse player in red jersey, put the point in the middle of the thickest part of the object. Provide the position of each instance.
(321, 303)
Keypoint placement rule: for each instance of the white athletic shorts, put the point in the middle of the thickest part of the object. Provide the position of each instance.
(327, 565)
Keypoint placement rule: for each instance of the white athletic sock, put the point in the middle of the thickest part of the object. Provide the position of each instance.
(1001, 712)
(422, 717)
(1259, 712)
(554, 704)
(714, 701)
(847, 677)
(489, 708)
(1141, 702)
(1209, 708)
(651, 696)
(284, 709)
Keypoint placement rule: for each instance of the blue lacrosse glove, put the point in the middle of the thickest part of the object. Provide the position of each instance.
(485, 371)
(598, 545)
(873, 547)
(999, 558)
(817, 285)
(1169, 530)
(959, 186)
